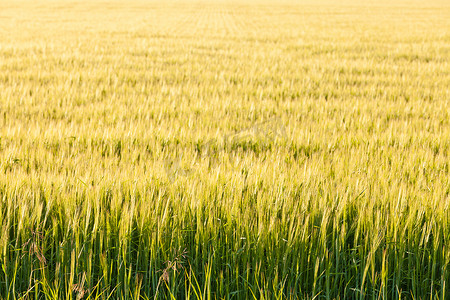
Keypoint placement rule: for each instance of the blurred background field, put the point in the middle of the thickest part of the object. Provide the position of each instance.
(130, 167)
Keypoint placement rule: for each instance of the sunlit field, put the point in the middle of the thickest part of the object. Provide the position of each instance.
(224, 149)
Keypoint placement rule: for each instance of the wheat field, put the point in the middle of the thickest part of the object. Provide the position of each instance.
(209, 149)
